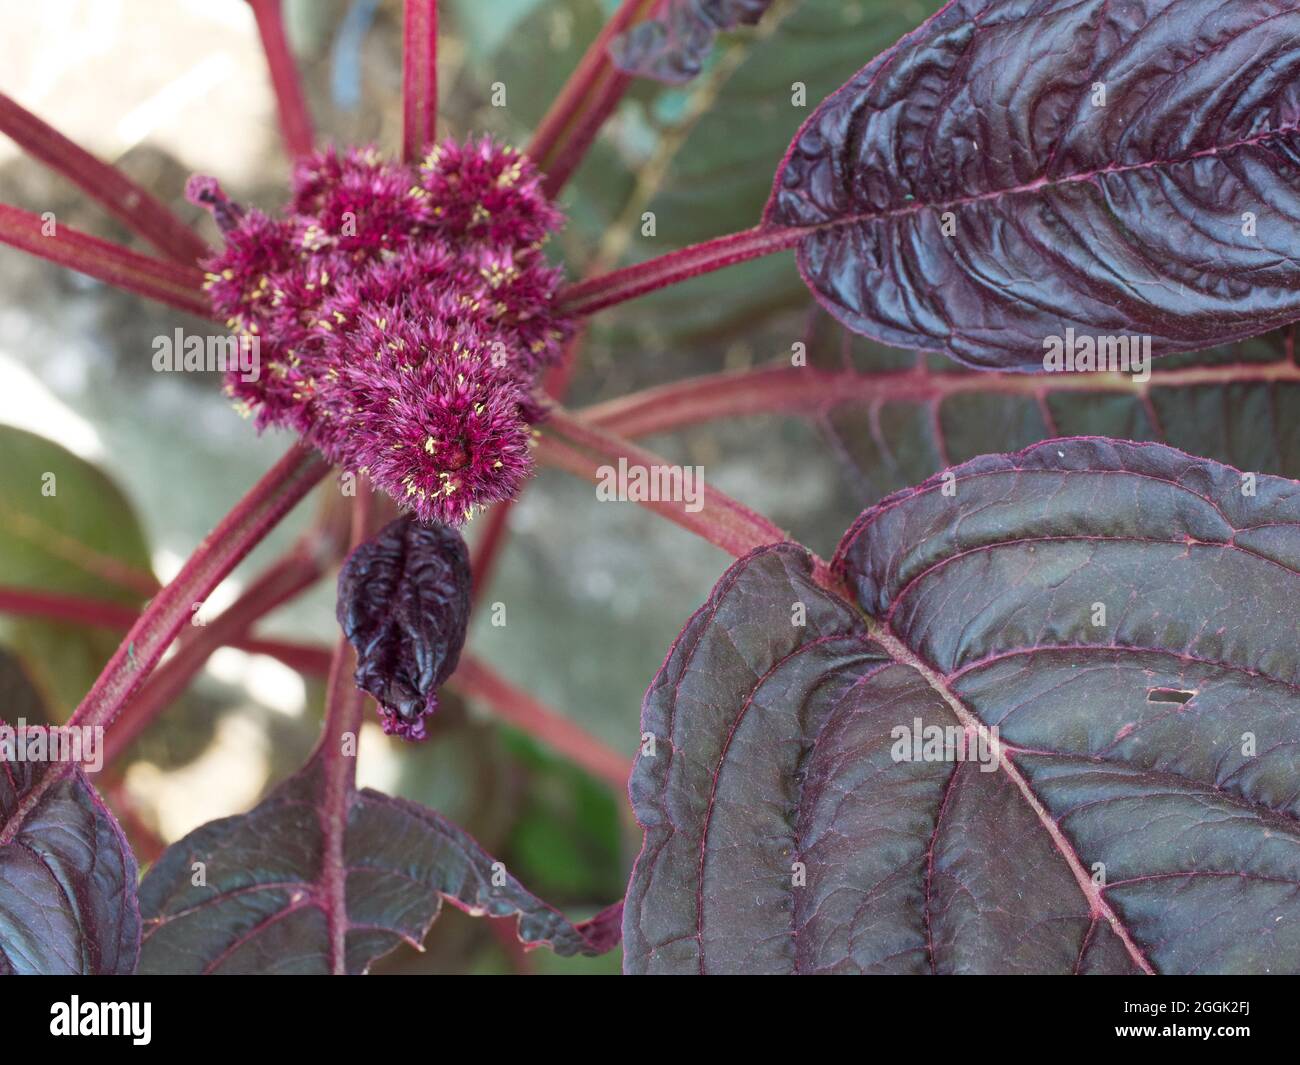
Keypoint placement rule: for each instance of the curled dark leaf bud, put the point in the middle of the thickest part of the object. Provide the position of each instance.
(404, 606)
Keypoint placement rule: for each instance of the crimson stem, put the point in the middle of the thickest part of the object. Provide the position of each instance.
(224, 548)
(586, 101)
(570, 444)
(170, 283)
(618, 286)
(419, 78)
(238, 533)
(283, 581)
(294, 572)
(308, 658)
(808, 390)
(131, 203)
(519, 708)
(291, 105)
(344, 707)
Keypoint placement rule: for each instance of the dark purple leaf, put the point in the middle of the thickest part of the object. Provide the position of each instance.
(673, 47)
(894, 426)
(1143, 814)
(1167, 208)
(404, 606)
(67, 879)
(268, 902)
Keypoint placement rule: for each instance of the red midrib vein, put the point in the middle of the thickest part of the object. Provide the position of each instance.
(1098, 907)
(1042, 183)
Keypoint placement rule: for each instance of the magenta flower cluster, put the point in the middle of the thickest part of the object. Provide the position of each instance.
(404, 314)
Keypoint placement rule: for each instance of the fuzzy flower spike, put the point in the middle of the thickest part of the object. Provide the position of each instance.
(404, 315)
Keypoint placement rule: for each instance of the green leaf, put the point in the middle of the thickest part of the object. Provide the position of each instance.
(567, 839)
(65, 527)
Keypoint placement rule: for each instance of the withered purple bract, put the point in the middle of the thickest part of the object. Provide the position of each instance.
(404, 606)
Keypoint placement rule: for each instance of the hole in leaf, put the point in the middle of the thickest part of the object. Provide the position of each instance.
(1169, 695)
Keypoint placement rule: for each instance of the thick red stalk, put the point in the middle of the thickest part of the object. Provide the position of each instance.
(243, 528)
(54, 606)
(295, 119)
(570, 444)
(519, 708)
(136, 208)
(605, 290)
(586, 101)
(318, 549)
(25, 602)
(344, 708)
(419, 78)
(488, 546)
(221, 551)
(807, 390)
(170, 283)
(283, 581)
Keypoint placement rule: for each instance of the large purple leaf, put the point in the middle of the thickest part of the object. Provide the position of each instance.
(1119, 170)
(270, 901)
(1143, 813)
(67, 878)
